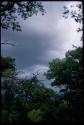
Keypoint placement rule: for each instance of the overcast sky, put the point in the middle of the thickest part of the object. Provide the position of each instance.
(42, 39)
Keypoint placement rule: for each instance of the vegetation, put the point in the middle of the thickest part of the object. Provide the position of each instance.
(11, 9)
(69, 73)
(28, 100)
(76, 13)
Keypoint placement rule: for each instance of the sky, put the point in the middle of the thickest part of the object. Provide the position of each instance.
(43, 38)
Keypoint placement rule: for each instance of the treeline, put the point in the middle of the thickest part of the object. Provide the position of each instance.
(29, 101)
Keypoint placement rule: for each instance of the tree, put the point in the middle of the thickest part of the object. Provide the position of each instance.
(69, 72)
(35, 115)
(7, 63)
(76, 13)
(11, 9)
(25, 99)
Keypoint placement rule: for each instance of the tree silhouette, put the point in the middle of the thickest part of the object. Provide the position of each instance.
(11, 9)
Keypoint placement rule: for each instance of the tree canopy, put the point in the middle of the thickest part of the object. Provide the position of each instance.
(30, 101)
(7, 63)
(24, 99)
(63, 71)
(11, 9)
(75, 12)
(69, 72)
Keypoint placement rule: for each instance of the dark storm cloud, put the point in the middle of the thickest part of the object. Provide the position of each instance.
(30, 48)
(42, 38)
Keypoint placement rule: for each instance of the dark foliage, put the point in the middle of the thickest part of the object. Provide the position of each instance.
(11, 9)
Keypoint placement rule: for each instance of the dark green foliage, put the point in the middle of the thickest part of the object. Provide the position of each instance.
(7, 63)
(30, 101)
(69, 72)
(11, 9)
(25, 100)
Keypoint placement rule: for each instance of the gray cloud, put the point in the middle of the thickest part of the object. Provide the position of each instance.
(29, 48)
(42, 39)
